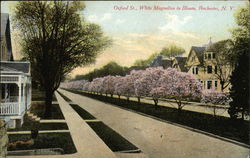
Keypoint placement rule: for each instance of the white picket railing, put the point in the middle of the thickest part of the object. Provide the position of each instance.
(9, 108)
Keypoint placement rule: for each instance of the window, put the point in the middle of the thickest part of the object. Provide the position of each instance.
(215, 69)
(209, 69)
(209, 56)
(195, 70)
(209, 84)
(213, 55)
(216, 84)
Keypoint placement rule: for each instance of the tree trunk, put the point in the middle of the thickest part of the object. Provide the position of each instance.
(48, 103)
(139, 100)
(111, 95)
(156, 103)
(119, 96)
(127, 98)
(179, 106)
(222, 85)
(214, 110)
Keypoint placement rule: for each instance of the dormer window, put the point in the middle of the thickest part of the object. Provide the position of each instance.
(209, 56)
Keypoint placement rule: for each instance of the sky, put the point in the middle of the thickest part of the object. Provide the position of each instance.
(140, 28)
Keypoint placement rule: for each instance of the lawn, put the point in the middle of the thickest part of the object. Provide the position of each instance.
(83, 113)
(233, 129)
(38, 109)
(111, 138)
(44, 141)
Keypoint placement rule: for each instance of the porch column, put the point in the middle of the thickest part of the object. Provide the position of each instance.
(24, 96)
(19, 94)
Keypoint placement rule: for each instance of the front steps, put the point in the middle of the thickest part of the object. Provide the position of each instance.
(33, 116)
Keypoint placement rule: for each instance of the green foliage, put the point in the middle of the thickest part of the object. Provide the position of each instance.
(241, 34)
(240, 87)
(240, 76)
(172, 51)
(112, 68)
(144, 63)
(56, 39)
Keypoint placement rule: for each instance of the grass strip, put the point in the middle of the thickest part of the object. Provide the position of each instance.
(83, 113)
(111, 138)
(233, 129)
(45, 140)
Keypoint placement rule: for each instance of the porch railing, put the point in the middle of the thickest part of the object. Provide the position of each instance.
(9, 108)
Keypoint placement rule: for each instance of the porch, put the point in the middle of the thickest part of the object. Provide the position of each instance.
(15, 94)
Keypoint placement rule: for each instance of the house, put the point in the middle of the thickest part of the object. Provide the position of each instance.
(201, 62)
(15, 79)
(159, 60)
(179, 63)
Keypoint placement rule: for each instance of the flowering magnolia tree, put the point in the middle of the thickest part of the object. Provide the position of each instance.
(96, 85)
(108, 85)
(153, 82)
(79, 84)
(118, 85)
(147, 81)
(178, 85)
(126, 86)
(215, 97)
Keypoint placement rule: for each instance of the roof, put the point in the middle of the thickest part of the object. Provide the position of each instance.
(4, 22)
(199, 52)
(160, 61)
(165, 63)
(181, 62)
(21, 66)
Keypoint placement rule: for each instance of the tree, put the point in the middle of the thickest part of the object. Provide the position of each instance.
(223, 64)
(240, 87)
(112, 68)
(179, 86)
(145, 63)
(147, 81)
(214, 97)
(56, 40)
(108, 85)
(172, 51)
(119, 86)
(240, 54)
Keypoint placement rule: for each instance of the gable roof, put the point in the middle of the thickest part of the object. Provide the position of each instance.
(199, 51)
(181, 62)
(21, 66)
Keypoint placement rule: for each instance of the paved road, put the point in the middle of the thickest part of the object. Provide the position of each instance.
(155, 138)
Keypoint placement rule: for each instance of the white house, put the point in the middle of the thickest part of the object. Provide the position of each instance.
(15, 81)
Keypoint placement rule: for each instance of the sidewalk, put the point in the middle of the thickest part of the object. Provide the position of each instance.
(87, 143)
